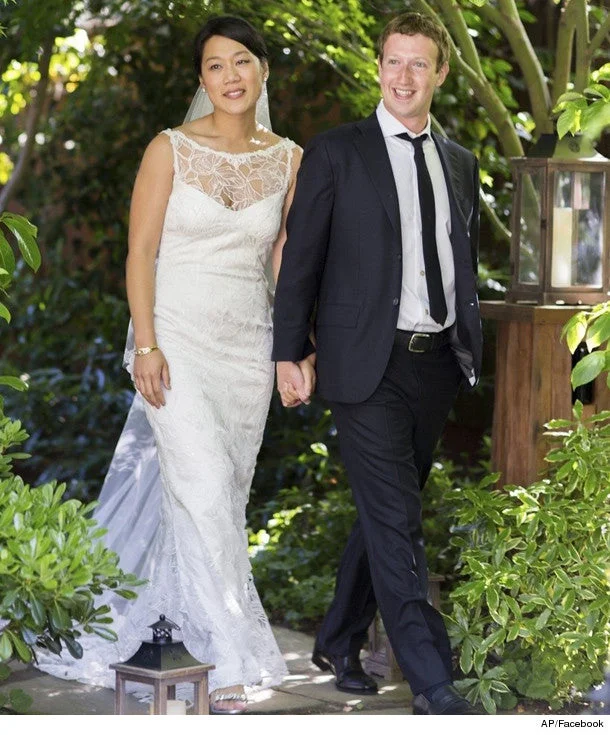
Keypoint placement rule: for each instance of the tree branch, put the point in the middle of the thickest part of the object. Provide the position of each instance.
(455, 16)
(602, 34)
(31, 124)
(583, 68)
(484, 92)
(507, 20)
(564, 47)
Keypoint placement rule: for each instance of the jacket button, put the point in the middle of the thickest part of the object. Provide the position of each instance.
(395, 302)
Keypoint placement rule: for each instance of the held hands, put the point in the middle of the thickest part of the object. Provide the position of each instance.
(151, 375)
(296, 381)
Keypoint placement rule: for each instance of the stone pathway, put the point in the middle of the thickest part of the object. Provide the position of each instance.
(306, 691)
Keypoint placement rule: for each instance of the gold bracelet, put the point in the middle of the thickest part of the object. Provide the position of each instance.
(139, 351)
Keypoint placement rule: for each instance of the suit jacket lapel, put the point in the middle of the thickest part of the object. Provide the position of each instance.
(460, 208)
(372, 146)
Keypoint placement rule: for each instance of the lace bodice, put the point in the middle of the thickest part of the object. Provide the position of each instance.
(234, 180)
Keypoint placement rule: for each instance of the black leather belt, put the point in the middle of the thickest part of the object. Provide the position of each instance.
(422, 341)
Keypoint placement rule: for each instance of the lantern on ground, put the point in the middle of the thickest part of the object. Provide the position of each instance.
(163, 663)
(560, 246)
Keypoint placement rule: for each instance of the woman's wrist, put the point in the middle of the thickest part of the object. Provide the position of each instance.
(140, 351)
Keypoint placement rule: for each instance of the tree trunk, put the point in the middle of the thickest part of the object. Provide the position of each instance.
(31, 125)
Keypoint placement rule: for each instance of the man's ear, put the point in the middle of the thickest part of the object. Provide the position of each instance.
(442, 75)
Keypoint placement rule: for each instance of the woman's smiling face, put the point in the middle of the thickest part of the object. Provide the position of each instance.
(231, 75)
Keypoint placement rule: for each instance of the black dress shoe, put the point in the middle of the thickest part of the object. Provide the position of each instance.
(349, 674)
(446, 700)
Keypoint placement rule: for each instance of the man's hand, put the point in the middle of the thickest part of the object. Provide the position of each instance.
(296, 381)
(308, 370)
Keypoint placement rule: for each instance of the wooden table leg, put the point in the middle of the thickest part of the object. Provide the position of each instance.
(119, 695)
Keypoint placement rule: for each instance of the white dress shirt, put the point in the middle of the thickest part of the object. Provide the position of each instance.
(414, 308)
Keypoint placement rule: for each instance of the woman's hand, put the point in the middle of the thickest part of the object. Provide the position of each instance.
(151, 375)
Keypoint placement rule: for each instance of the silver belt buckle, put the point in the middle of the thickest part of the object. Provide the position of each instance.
(417, 335)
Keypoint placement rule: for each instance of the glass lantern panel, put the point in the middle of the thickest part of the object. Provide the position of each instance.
(530, 227)
(578, 229)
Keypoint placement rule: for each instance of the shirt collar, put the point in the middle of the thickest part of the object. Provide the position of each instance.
(390, 126)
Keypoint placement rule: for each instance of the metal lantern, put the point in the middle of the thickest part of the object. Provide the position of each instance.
(560, 247)
(163, 663)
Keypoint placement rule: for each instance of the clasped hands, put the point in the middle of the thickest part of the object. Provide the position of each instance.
(151, 375)
(296, 381)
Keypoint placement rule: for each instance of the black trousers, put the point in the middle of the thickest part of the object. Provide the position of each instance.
(387, 443)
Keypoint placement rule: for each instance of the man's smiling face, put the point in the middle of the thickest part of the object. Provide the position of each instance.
(408, 77)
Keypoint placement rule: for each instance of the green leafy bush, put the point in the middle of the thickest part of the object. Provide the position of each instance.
(531, 614)
(51, 569)
(587, 112)
(52, 563)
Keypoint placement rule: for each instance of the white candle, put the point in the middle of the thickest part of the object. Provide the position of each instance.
(176, 707)
(561, 267)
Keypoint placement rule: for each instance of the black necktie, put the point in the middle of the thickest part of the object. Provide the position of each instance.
(434, 280)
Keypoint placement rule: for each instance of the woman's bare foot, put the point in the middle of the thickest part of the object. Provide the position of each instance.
(228, 701)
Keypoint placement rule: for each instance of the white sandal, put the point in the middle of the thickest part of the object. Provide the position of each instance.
(228, 697)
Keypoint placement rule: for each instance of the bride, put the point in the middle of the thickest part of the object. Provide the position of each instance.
(208, 211)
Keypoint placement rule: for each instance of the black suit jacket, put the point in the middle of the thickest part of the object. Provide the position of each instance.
(342, 260)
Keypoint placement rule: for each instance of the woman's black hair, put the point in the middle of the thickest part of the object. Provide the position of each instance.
(229, 26)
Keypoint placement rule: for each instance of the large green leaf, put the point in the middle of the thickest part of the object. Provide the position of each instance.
(25, 234)
(73, 646)
(574, 331)
(37, 610)
(599, 331)
(587, 369)
(595, 119)
(7, 257)
(21, 649)
(20, 701)
(13, 382)
(6, 647)
(568, 121)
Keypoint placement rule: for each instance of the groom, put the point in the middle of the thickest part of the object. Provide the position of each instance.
(381, 258)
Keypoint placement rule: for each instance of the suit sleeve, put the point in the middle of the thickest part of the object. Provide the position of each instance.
(308, 230)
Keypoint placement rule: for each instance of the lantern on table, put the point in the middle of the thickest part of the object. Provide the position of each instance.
(560, 246)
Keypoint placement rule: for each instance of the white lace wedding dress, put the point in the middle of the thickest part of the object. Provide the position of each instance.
(186, 534)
